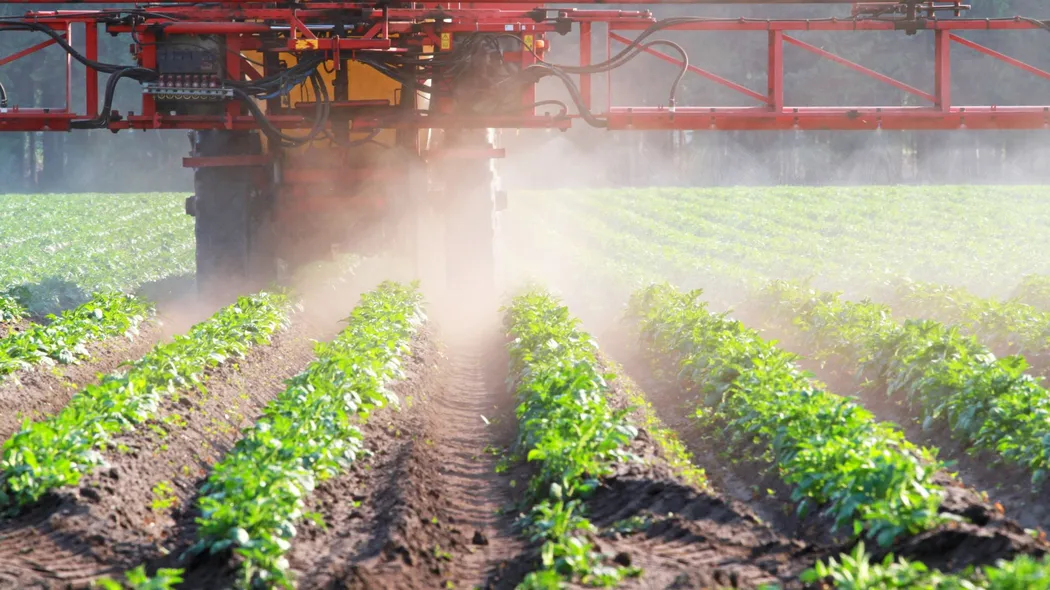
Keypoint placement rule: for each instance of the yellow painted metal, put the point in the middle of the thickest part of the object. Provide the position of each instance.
(365, 83)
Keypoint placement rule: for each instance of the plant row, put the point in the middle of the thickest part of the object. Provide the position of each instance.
(57, 250)
(855, 236)
(861, 473)
(62, 449)
(1034, 290)
(10, 310)
(253, 498)
(1009, 325)
(855, 571)
(950, 378)
(64, 338)
(566, 426)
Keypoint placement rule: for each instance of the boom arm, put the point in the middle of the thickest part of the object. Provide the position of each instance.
(394, 41)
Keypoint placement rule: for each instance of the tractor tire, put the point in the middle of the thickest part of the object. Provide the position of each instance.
(470, 223)
(232, 208)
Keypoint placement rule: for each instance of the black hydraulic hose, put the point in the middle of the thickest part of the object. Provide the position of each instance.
(3, 96)
(98, 66)
(539, 71)
(322, 111)
(105, 114)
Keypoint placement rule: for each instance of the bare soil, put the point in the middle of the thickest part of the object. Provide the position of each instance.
(44, 390)
(138, 508)
(1008, 487)
(423, 509)
(118, 517)
(989, 535)
(697, 538)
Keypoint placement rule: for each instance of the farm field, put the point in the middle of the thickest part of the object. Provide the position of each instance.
(756, 388)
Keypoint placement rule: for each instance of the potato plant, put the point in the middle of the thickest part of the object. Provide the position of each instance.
(64, 338)
(255, 496)
(60, 450)
(989, 402)
(566, 426)
(861, 473)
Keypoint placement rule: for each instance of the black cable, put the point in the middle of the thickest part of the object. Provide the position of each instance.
(3, 96)
(322, 112)
(98, 66)
(105, 114)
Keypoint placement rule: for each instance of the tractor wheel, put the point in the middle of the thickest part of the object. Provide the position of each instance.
(470, 220)
(232, 207)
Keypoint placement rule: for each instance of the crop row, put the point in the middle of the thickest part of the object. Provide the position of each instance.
(64, 338)
(856, 571)
(1034, 290)
(566, 425)
(254, 497)
(850, 236)
(10, 310)
(861, 473)
(60, 450)
(1009, 326)
(79, 244)
(990, 403)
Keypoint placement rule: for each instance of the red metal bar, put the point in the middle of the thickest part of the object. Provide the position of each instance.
(28, 50)
(69, 70)
(91, 52)
(208, 28)
(829, 119)
(249, 68)
(233, 70)
(859, 68)
(1001, 57)
(224, 161)
(585, 60)
(831, 24)
(775, 73)
(491, 2)
(298, 26)
(706, 74)
(942, 79)
(608, 77)
(148, 59)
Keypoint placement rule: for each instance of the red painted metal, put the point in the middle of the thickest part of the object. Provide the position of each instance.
(859, 68)
(91, 52)
(245, 25)
(706, 74)
(1001, 57)
(942, 74)
(775, 72)
(27, 51)
(824, 118)
(226, 161)
(585, 60)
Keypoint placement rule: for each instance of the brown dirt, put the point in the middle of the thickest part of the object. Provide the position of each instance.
(421, 511)
(1005, 485)
(109, 523)
(43, 390)
(991, 535)
(12, 328)
(697, 539)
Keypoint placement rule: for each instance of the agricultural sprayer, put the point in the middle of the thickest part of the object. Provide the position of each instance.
(321, 124)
